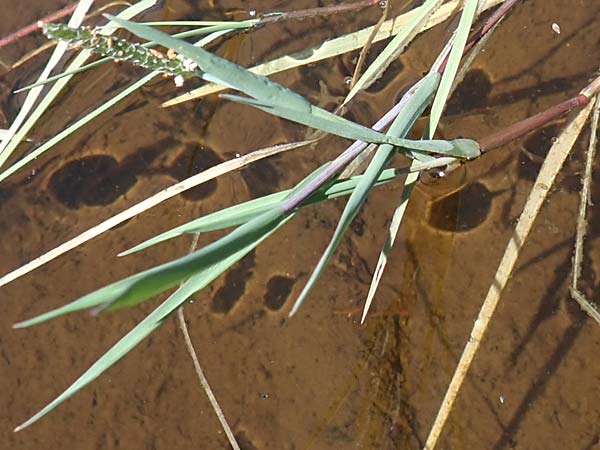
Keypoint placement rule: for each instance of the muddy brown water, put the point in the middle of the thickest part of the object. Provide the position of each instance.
(320, 380)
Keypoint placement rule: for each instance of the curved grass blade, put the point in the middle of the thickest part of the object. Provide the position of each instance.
(224, 70)
(420, 96)
(458, 47)
(284, 102)
(325, 121)
(394, 48)
(147, 326)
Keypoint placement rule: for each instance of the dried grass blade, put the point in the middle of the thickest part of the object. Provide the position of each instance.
(552, 164)
(150, 202)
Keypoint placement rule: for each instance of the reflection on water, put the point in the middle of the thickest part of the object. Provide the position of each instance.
(319, 380)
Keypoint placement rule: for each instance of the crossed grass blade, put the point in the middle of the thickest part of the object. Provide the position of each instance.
(241, 213)
(417, 100)
(21, 130)
(448, 80)
(194, 284)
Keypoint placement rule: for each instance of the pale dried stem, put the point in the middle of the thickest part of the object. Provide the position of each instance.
(198, 369)
(582, 224)
(552, 164)
(150, 202)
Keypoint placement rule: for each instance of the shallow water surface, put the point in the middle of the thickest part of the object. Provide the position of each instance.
(319, 380)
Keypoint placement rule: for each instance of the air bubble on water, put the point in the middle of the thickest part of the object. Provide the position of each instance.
(348, 81)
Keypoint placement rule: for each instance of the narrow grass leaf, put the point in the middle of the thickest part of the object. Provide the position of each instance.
(458, 47)
(141, 286)
(395, 47)
(233, 75)
(420, 96)
(409, 184)
(238, 214)
(276, 99)
(326, 121)
(194, 284)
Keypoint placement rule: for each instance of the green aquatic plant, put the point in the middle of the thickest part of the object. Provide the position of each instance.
(259, 218)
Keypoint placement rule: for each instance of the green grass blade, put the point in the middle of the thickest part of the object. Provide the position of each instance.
(325, 121)
(241, 213)
(274, 98)
(458, 47)
(409, 184)
(141, 286)
(395, 47)
(194, 284)
(448, 79)
(421, 95)
(233, 75)
(228, 217)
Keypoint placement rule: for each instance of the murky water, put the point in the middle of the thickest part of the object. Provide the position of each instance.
(320, 380)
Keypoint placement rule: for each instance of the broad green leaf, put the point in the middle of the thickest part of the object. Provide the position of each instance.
(395, 47)
(420, 96)
(458, 47)
(139, 287)
(194, 284)
(276, 99)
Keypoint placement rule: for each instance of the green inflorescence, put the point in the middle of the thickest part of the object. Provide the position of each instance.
(120, 49)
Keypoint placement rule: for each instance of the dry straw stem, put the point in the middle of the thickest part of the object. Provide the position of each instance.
(552, 164)
(337, 46)
(585, 305)
(150, 202)
(198, 369)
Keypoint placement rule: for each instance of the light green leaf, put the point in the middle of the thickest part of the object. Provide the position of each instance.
(276, 99)
(419, 98)
(194, 284)
(458, 47)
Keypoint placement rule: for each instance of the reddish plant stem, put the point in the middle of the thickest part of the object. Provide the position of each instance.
(519, 129)
(35, 26)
